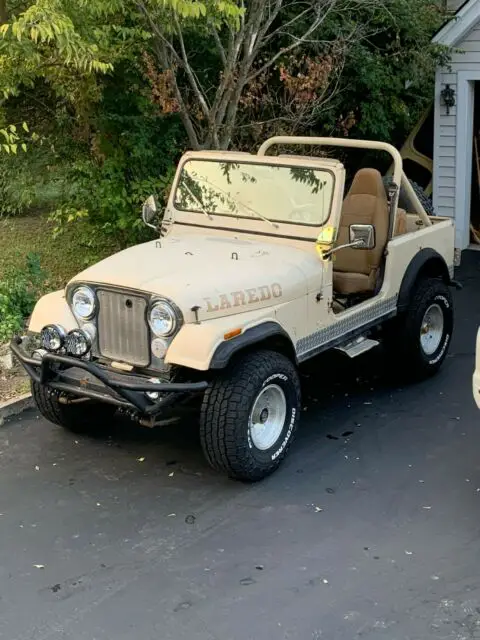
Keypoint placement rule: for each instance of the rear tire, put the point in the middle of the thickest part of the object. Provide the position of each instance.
(404, 201)
(250, 414)
(418, 340)
(85, 418)
(424, 199)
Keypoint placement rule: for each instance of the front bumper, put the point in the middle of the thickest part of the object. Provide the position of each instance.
(476, 388)
(88, 380)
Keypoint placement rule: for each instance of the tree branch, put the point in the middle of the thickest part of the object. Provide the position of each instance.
(193, 80)
(220, 47)
(157, 31)
(161, 51)
(285, 26)
(297, 43)
(3, 11)
(268, 23)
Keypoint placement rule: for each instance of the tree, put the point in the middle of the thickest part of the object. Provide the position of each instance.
(267, 37)
(3, 11)
(232, 70)
(118, 89)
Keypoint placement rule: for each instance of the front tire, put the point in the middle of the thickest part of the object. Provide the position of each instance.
(418, 340)
(85, 418)
(250, 414)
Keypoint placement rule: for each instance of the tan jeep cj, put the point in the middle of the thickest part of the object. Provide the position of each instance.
(260, 264)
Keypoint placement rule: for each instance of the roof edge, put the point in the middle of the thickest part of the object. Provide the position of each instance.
(462, 22)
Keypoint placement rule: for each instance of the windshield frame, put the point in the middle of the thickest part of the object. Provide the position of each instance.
(253, 161)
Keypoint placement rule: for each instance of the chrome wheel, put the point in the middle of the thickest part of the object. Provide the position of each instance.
(431, 332)
(267, 417)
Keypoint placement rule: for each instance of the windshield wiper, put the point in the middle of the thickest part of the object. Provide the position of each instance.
(236, 202)
(257, 213)
(197, 200)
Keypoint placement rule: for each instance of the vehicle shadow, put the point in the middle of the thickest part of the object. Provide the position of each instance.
(326, 381)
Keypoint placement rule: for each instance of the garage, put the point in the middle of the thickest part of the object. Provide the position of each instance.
(456, 166)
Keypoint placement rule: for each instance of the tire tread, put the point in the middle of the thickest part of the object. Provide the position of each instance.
(223, 406)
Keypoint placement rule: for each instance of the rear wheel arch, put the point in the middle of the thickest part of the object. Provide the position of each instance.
(268, 335)
(427, 264)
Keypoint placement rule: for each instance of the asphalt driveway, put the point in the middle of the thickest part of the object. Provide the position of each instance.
(370, 530)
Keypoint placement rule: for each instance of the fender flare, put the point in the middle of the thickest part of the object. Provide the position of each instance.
(428, 262)
(253, 336)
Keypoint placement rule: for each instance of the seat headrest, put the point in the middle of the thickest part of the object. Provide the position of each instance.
(367, 182)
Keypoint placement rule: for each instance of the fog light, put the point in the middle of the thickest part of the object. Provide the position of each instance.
(78, 343)
(159, 348)
(153, 395)
(53, 337)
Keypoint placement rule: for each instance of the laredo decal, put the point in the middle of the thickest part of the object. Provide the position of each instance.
(244, 298)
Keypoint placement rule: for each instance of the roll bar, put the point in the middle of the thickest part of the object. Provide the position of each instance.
(399, 177)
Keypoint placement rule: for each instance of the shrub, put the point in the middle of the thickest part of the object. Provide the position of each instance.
(19, 290)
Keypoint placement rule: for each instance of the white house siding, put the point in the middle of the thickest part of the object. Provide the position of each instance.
(446, 125)
(453, 5)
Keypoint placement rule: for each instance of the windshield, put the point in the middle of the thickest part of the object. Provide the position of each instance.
(275, 194)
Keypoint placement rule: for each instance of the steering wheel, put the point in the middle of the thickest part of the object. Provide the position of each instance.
(301, 213)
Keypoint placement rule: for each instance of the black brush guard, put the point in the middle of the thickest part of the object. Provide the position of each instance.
(128, 392)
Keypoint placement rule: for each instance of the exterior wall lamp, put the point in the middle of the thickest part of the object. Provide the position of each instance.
(448, 97)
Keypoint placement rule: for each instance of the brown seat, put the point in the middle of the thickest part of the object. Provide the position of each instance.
(355, 270)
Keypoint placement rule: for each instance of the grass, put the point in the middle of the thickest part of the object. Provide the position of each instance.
(61, 257)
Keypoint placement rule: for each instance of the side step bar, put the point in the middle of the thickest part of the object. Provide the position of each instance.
(357, 347)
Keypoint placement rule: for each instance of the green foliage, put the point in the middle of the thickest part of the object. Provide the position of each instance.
(388, 78)
(19, 290)
(87, 77)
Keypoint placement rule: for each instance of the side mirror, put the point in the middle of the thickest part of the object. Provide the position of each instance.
(362, 236)
(149, 211)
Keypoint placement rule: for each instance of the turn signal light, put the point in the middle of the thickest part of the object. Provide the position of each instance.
(232, 334)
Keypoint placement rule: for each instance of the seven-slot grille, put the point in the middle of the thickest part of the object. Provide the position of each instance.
(122, 328)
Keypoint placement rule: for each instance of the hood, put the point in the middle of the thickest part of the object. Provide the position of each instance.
(221, 275)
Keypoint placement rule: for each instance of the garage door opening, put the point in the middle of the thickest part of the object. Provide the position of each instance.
(475, 195)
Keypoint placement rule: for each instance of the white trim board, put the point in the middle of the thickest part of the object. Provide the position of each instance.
(464, 20)
(463, 172)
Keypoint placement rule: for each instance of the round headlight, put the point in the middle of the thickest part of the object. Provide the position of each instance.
(83, 303)
(53, 337)
(163, 320)
(78, 343)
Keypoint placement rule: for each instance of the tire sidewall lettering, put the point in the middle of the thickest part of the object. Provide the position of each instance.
(287, 436)
(446, 307)
(442, 299)
(284, 382)
(275, 376)
(446, 342)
